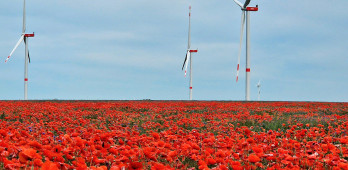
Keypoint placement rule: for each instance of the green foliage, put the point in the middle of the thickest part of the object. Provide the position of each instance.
(2, 116)
(190, 163)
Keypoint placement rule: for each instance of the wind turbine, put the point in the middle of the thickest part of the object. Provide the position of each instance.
(24, 37)
(245, 11)
(189, 52)
(259, 90)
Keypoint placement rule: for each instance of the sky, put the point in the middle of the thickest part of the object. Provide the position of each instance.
(134, 50)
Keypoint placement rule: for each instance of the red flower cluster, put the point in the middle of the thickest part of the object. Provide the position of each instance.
(173, 135)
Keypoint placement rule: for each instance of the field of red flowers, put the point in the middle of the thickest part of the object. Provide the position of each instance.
(173, 135)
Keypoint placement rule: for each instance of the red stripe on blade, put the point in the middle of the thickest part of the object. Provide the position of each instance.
(7, 58)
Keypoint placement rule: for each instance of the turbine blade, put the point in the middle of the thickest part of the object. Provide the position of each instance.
(28, 56)
(247, 2)
(188, 59)
(25, 42)
(24, 19)
(184, 62)
(14, 49)
(240, 44)
(238, 3)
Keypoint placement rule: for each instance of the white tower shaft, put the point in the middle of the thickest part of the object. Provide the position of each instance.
(26, 69)
(247, 71)
(26, 55)
(191, 76)
(246, 11)
(188, 59)
(24, 37)
(188, 47)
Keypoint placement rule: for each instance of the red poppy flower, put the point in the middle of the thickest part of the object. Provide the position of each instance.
(253, 158)
(48, 165)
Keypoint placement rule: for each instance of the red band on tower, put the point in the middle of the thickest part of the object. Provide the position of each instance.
(248, 70)
(190, 87)
(193, 51)
(26, 79)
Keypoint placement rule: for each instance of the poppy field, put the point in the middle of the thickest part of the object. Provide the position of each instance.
(173, 135)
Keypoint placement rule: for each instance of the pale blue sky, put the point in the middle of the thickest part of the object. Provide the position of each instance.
(134, 49)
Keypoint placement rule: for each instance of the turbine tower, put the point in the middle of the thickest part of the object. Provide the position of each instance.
(259, 90)
(245, 11)
(188, 57)
(24, 37)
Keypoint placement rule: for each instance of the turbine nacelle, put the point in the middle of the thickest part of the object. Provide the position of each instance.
(29, 35)
(245, 6)
(252, 8)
